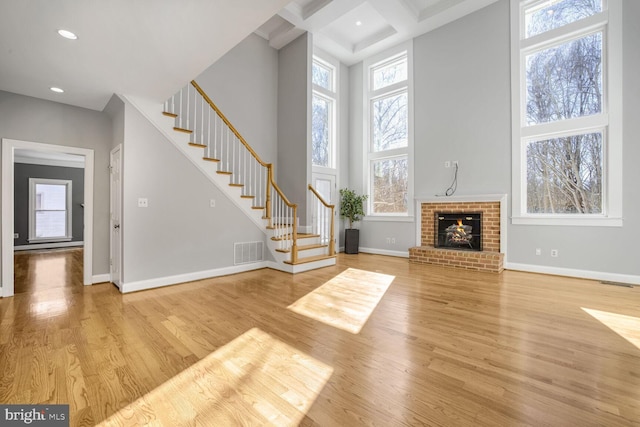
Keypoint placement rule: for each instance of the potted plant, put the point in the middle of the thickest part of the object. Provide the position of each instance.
(352, 208)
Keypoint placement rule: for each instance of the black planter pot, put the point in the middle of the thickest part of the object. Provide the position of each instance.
(351, 240)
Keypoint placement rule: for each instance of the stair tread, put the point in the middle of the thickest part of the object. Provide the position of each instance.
(304, 248)
(244, 196)
(224, 172)
(182, 130)
(195, 144)
(300, 236)
(168, 114)
(232, 184)
(210, 159)
(310, 259)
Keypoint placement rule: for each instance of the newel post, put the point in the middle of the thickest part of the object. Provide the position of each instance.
(294, 246)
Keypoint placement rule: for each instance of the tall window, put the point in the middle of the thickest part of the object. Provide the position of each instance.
(49, 209)
(323, 114)
(389, 129)
(566, 147)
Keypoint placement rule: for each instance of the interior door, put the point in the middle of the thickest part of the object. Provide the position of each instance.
(325, 185)
(116, 213)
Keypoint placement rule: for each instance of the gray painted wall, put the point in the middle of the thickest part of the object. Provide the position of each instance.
(21, 174)
(36, 120)
(463, 112)
(115, 110)
(343, 146)
(178, 233)
(244, 85)
(294, 117)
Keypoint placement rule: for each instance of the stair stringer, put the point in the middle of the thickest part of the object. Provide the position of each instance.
(153, 113)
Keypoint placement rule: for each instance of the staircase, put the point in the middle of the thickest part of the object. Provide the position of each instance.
(195, 125)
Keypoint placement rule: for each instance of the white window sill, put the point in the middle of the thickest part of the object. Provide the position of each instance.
(588, 221)
(389, 218)
(50, 240)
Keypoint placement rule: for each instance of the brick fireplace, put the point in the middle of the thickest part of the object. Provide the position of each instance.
(493, 233)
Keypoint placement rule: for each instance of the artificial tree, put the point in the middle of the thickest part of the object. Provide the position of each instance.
(352, 208)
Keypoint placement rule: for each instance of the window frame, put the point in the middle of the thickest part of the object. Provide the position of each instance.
(370, 156)
(32, 210)
(330, 95)
(609, 121)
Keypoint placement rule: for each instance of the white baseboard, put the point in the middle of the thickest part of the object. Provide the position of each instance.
(53, 245)
(101, 278)
(400, 254)
(584, 274)
(189, 277)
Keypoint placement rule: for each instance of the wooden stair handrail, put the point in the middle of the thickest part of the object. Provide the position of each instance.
(228, 123)
(332, 244)
(313, 190)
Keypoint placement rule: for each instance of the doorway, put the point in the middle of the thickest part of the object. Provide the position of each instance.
(115, 167)
(9, 147)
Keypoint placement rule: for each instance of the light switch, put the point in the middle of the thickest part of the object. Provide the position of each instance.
(212, 203)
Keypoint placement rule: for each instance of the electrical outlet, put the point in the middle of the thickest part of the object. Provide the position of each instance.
(538, 251)
(447, 164)
(393, 240)
(554, 253)
(143, 203)
(16, 235)
(388, 240)
(212, 203)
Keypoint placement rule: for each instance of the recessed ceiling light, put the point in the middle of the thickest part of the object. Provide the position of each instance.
(56, 89)
(67, 34)
(358, 23)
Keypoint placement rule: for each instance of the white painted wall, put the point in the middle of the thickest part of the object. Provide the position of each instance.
(36, 120)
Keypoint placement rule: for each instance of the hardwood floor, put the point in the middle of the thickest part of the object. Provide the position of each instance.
(47, 269)
(442, 347)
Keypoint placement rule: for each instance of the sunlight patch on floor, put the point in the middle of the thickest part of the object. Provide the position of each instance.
(628, 327)
(346, 301)
(255, 379)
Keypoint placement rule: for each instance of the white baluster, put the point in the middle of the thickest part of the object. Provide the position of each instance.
(180, 124)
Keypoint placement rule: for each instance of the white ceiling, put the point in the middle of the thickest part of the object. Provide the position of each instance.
(148, 48)
(384, 23)
(151, 48)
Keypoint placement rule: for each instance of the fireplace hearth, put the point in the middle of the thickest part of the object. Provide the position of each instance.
(461, 231)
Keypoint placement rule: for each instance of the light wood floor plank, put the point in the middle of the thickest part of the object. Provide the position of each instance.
(442, 347)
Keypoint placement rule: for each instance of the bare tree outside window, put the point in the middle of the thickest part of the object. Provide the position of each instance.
(564, 175)
(322, 114)
(556, 13)
(389, 135)
(320, 119)
(390, 122)
(390, 182)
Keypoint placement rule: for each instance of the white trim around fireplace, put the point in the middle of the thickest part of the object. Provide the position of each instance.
(502, 198)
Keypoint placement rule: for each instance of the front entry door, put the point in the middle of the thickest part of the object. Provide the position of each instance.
(325, 185)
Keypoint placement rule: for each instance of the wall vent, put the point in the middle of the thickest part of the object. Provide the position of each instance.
(248, 252)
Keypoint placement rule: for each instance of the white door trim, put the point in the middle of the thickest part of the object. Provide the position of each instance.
(117, 277)
(8, 149)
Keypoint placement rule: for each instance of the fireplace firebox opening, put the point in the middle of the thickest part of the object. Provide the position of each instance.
(461, 231)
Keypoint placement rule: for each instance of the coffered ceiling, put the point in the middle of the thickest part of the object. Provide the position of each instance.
(151, 48)
(352, 30)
